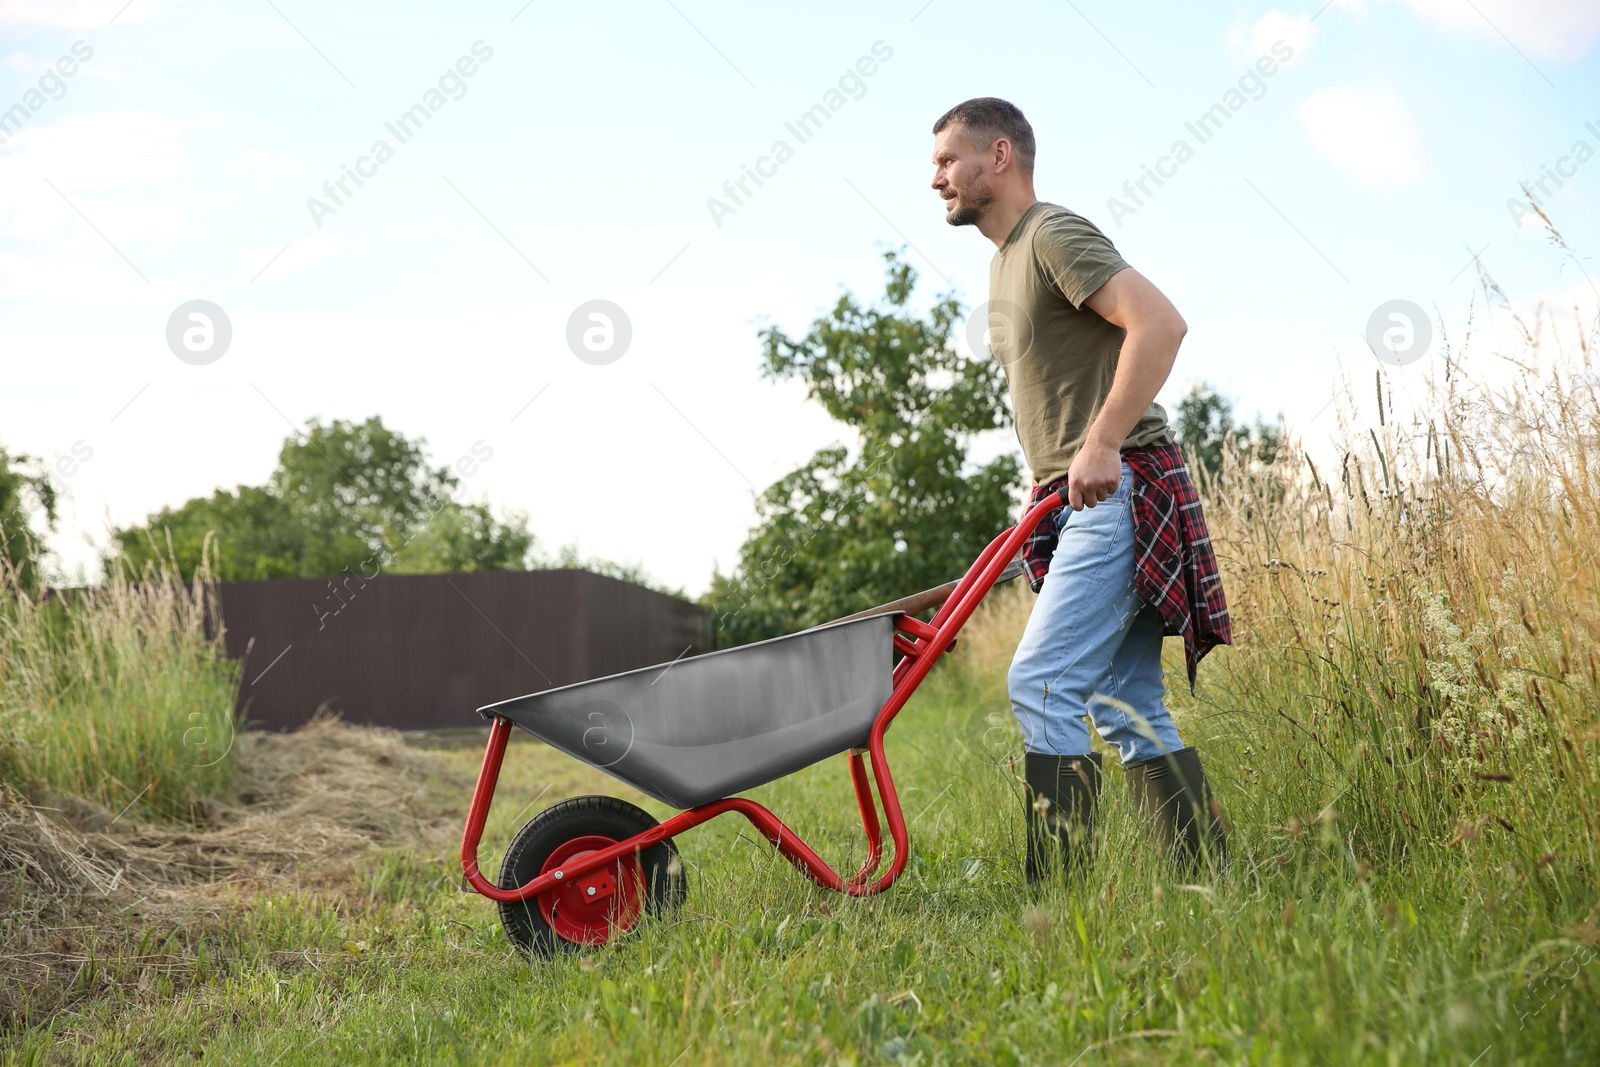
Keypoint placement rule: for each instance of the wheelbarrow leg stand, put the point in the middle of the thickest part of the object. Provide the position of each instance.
(869, 816)
(785, 840)
(478, 812)
(801, 855)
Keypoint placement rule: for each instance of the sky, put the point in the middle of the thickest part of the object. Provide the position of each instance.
(537, 157)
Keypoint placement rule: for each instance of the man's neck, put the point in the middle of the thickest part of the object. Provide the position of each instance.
(1003, 216)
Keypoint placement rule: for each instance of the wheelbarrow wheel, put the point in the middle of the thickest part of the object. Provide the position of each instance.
(599, 907)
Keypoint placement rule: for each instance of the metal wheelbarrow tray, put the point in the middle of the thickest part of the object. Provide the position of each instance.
(695, 732)
(706, 727)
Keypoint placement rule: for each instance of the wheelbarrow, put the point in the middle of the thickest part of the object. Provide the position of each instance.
(697, 731)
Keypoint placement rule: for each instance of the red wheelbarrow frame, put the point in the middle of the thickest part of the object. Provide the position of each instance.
(921, 644)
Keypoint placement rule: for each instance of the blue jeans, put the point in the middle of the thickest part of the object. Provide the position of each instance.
(1092, 646)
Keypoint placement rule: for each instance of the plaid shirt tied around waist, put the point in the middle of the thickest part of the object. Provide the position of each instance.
(1175, 569)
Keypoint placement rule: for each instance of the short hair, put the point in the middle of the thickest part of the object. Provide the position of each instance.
(988, 118)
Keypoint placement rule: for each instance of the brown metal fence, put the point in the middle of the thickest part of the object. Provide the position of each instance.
(424, 651)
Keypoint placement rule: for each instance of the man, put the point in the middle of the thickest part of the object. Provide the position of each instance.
(1086, 342)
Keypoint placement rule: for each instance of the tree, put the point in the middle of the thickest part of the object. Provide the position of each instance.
(1204, 427)
(358, 488)
(467, 537)
(257, 537)
(344, 496)
(26, 495)
(900, 512)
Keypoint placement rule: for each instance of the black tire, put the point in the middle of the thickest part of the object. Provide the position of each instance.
(525, 857)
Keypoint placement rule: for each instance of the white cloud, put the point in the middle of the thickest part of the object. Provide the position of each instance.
(118, 170)
(75, 14)
(298, 256)
(1562, 30)
(255, 157)
(1297, 31)
(127, 217)
(96, 279)
(46, 214)
(429, 230)
(101, 150)
(1367, 132)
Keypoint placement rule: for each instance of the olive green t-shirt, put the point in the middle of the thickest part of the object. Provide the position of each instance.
(1057, 353)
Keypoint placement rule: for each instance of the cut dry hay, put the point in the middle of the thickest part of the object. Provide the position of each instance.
(76, 878)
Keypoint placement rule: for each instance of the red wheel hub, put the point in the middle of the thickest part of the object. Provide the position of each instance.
(587, 910)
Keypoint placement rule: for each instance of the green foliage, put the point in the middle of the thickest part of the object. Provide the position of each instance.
(349, 483)
(1204, 426)
(26, 495)
(901, 512)
(343, 494)
(466, 537)
(255, 527)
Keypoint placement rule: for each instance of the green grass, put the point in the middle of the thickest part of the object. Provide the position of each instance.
(115, 695)
(1301, 953)
(1405, 737)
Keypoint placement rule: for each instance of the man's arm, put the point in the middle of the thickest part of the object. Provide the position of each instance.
(1154, 331)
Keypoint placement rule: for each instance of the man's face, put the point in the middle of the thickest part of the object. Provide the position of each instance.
(961, 176)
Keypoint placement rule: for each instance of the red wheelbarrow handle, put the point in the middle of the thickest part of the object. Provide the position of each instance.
(911, 605)
(921, 645)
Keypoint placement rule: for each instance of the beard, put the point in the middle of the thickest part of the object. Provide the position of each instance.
(966, 215)
(974, 201)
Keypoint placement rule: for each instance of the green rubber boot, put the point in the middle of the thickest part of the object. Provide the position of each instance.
(1061, 795)
(1172, 793)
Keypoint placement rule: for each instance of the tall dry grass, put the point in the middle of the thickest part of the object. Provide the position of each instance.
(1416, 619)
(1424, 615)
(116, 694)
